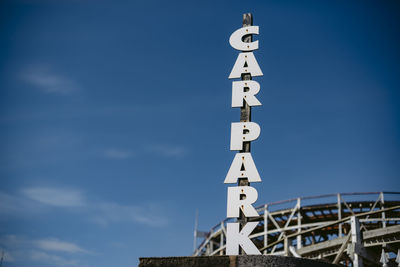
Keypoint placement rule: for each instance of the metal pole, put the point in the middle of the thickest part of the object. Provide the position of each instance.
(245, 116)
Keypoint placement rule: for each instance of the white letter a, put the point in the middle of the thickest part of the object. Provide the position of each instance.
(242, 166)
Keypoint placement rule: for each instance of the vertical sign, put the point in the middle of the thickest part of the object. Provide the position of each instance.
(243, 169)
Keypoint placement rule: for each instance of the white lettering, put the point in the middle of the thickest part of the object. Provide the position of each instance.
(245, 63)
(242, 167)
(243, 132)
(235, 203)
(234, 239)
(236, 39)
(239, 94)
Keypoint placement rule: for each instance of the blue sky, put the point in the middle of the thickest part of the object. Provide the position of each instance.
(115, 118)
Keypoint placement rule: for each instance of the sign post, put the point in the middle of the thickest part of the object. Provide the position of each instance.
(243, 169)
(245, 112)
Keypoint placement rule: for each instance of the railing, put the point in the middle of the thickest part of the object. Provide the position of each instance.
(286, 222)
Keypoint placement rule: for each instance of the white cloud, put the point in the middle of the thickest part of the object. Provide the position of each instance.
(10, 204)
(12, 241)
(167, 150)
(53, 244)
(13, 205)
(53, 259)
(57, 140)
(102, 213)
(20, 249)
(114, 213)
(163, 150)
(48, 81)
(58, 197)
(57, 252)
(117, 154)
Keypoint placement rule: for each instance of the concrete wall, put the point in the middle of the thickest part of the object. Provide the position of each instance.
(232, 261)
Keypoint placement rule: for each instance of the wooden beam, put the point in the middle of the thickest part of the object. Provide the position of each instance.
(381, 232)
(245, 116)
(330, 224)
(342, 249)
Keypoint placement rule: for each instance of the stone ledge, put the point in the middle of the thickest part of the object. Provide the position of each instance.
(232, 261)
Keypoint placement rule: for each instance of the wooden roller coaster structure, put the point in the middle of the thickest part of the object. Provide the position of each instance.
(352, 229)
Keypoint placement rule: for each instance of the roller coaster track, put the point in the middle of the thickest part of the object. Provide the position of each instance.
(350, 229)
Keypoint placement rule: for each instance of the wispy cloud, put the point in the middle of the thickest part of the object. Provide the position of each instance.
(52, 259)
(57, 252)
(113, 153)
(12, 241)
(48, 81)
(10, 204)
(102, 213)
(14, 205)
(115, 213)
(58, 197)
(167, 150)
(53, 244)
(20, 249)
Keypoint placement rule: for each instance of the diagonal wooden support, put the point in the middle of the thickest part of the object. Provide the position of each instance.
(329, 224)
(274, 222)
(372, 208)
(342, 249)
(287, 223)
(348, 207)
